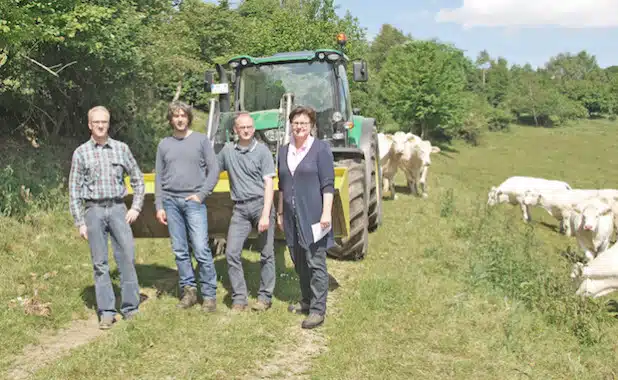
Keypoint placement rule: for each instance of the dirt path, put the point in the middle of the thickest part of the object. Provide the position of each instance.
(293, 359)
(52, 346)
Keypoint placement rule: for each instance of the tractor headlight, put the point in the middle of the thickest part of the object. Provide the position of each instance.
(337, 117)
(272, 135)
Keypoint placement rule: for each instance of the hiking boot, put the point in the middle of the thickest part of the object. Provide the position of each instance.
(106, 322)
(313, 320)
(299, 308)
(209, 306)
(189, 299)
(238, 308)
(261, 305)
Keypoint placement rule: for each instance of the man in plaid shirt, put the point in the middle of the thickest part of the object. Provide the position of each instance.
(96, 191)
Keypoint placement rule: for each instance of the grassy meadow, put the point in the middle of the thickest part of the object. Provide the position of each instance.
(449, 289)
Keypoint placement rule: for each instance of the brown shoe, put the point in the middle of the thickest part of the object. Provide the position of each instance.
(313, 320)
(189, 298)
(209, 305)
(299, 308)
(261, 305)
(239, 308)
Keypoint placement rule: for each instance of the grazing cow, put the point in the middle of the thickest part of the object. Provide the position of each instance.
(593, 223)
(599, 276)
(415, 162)
(514, 189)
(391, 150)
(560, 203)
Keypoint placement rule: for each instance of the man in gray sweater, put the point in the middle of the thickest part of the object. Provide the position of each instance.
(186, 173)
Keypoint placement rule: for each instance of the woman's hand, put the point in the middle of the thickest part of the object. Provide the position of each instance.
(280, 221)
(325, 221)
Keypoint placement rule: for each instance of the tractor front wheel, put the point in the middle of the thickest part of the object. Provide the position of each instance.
(355, 245)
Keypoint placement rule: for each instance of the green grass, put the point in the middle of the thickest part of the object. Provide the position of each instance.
(450, 289)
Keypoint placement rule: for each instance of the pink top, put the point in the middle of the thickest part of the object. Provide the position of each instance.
(296, 156)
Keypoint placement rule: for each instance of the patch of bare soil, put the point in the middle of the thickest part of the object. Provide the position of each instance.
(293, 359)
(51, 347)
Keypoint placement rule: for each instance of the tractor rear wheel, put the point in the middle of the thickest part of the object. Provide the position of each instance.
(375, 198)
(355, 245)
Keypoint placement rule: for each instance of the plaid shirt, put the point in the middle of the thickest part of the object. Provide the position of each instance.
(97, 174)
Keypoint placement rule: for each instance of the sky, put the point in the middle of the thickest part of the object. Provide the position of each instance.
(522, 31)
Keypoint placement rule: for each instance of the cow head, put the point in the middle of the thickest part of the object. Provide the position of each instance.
(531, 198)
(399, 140)
(424, 151)
(591, 210)
(492, 196)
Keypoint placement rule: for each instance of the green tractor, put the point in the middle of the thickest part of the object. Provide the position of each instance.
(269, 88)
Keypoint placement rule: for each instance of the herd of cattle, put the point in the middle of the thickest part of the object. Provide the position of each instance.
(589, 215)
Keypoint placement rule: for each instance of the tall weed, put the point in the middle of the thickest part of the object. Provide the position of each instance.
(505, 262)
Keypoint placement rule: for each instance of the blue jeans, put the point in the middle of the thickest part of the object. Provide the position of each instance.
(189, 216)
(101, 221)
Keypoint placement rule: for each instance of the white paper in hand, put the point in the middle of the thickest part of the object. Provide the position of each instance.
(318, 231)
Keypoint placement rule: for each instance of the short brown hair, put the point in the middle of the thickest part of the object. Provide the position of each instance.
(303, 110)
(175, 106)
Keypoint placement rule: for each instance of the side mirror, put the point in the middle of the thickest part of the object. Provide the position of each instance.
(209, 79)
(356, 111)
(360, 71)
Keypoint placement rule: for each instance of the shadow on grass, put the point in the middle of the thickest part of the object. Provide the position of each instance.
(286, 281)
(163, 279)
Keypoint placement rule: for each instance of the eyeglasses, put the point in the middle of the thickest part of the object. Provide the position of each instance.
(244, 127)
(101, 122)
(301, 124)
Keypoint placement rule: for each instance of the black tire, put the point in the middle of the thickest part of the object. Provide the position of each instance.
(375, 197)
(355, 245)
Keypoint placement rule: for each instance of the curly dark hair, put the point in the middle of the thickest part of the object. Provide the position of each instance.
(174, 106)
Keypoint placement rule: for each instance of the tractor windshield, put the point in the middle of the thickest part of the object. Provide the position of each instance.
(261, 87)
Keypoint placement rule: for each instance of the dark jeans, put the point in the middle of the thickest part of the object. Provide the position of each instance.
(246, 216)
(189, 216)
(102, 220)
(310, 265)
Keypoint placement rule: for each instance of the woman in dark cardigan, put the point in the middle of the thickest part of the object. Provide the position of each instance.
(306, 187)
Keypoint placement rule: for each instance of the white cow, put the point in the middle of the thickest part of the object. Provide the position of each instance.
(391, 150)
(592, 223)
(560, 203)
(514, 189)
(416, 161)
(599, 276)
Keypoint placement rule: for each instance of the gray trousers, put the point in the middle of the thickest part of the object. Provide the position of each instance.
(310, 265)
(246, 216)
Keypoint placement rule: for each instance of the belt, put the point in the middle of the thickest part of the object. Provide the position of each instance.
(247, 200)
(103, 202)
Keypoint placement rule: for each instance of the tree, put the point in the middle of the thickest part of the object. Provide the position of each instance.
(423, 83)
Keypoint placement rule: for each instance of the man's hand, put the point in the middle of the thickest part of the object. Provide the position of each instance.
(280, 221)
(83, 231)
(264, 223)
(162, 217)
(325, 221)
(193, 197)
(131, 216)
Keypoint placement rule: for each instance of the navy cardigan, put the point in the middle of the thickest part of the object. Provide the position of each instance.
(314, 176)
